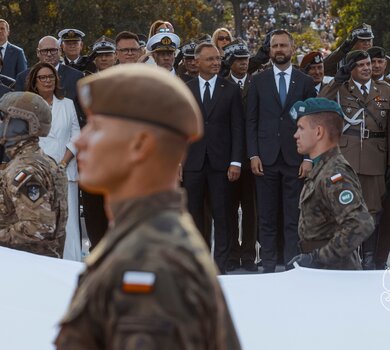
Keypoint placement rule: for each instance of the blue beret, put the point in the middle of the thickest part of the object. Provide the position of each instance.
(314, 105)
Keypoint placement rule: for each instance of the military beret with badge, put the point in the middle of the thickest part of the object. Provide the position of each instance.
(314, 105)
(344, 73)
(314, 57)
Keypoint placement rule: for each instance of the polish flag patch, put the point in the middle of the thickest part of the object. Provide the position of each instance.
(138, 282)
(336, 178)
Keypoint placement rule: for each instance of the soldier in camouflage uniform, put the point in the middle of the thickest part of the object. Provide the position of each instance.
(150, 283)
(33, 204)
(334, 219)
(365, 140)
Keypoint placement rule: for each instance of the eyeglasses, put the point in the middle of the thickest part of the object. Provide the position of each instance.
(128, 50)
(221, 38)
(50, 77)
(164, 30)
(45, 52)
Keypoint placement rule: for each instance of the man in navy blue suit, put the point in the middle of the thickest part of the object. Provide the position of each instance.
(215, 160)
(272, 150)
(14, 60)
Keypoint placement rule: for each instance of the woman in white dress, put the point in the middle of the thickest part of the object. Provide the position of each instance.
(43, 80)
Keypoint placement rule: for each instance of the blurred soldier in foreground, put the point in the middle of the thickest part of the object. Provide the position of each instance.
(33, 198)
(334, 219)
(150, 283)
(365, 140)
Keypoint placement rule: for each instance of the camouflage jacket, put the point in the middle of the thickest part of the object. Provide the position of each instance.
(33, 202)
(333, 209)
(149, 284)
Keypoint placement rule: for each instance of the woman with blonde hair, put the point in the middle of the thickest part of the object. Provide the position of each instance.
(222, 37)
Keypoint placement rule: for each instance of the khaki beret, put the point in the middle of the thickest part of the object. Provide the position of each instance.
(143, 93)
(314, 57)
(356, 56)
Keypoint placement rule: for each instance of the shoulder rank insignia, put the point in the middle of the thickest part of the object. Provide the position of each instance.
(138, 282)
(336, 178)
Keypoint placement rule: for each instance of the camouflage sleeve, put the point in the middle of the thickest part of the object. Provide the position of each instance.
(34, 220)
(354, 222)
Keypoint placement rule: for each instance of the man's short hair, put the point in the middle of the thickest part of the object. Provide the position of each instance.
(283, 32)
(4, 21)
(331, 121)
(201, 46)
(126, 35)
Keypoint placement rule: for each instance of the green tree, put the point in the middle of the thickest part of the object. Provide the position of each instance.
(353, 13)
(32, 19)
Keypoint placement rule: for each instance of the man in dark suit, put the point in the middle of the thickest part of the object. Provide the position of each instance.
(14, 60)
(271, 147)
(244, 190)
(216, 158)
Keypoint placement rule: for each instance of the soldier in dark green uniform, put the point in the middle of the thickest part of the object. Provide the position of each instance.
(334, 218)
(150, 283)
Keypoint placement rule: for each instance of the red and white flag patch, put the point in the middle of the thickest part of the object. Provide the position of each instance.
(336, 178)
(138, 282)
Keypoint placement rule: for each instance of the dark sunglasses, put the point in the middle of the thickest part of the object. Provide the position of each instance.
(221, 38)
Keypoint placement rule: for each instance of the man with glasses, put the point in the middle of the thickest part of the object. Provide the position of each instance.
(128, 49)
(49, 51)
(163, 47)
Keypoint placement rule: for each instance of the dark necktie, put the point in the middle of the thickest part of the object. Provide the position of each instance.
(282, 88)
(364, 89)
(240, 83)
(1, 52)
(207, 97)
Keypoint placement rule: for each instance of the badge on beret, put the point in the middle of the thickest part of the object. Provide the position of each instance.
(166, 40)
(317, 59)
(346, 197)
(138, 282)
(33, 192)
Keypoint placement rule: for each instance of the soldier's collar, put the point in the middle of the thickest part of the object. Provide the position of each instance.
(320, 160)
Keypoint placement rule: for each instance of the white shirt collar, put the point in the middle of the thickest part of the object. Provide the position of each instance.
(202, 85)
(237, 79)
(4, 46)
(75, 61)
(288, 71)
(368, 85)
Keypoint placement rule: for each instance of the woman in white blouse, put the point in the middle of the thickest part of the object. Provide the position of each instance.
(43, 80)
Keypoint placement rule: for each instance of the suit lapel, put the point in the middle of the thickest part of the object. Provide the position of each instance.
(8, 53)
(274, 88)
(291, 87)
(194, 85)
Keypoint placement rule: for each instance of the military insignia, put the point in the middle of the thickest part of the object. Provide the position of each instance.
(138, 282)
(293, 113)
(71, 34)
(317, 59)
(346, 197)
(301, 109)
(336, 178)
(383, 113)
(22, 175)
(33, 192)
(348, 110)
(166, 40)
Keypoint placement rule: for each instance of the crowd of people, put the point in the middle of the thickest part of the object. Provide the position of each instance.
(247, 157)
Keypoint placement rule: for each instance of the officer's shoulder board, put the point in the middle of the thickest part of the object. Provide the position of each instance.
(138, 282)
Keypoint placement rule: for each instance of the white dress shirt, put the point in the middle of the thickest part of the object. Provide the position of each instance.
(368, 86)
(287, 76)
(243, 80)
(202, 86)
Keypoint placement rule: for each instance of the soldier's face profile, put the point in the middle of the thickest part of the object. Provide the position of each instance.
(362, 72)
(103, 152)
(306, 135)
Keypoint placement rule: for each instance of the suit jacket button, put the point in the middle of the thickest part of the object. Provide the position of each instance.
(278, 134)
(281, 118)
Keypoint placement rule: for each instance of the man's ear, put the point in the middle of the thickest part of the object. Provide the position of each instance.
(140, 147)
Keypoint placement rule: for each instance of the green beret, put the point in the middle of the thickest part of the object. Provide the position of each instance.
(356, 56)
(314, 105)
(376, 52)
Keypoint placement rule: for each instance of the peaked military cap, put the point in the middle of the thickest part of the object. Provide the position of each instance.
(314, 57)
(71, 35)
(163, 42)
(356, 56)
(141, 93)
(314, 105)
(363, 32)
(377, 52)
(236, 48)
(188, 49)
(104, 45)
